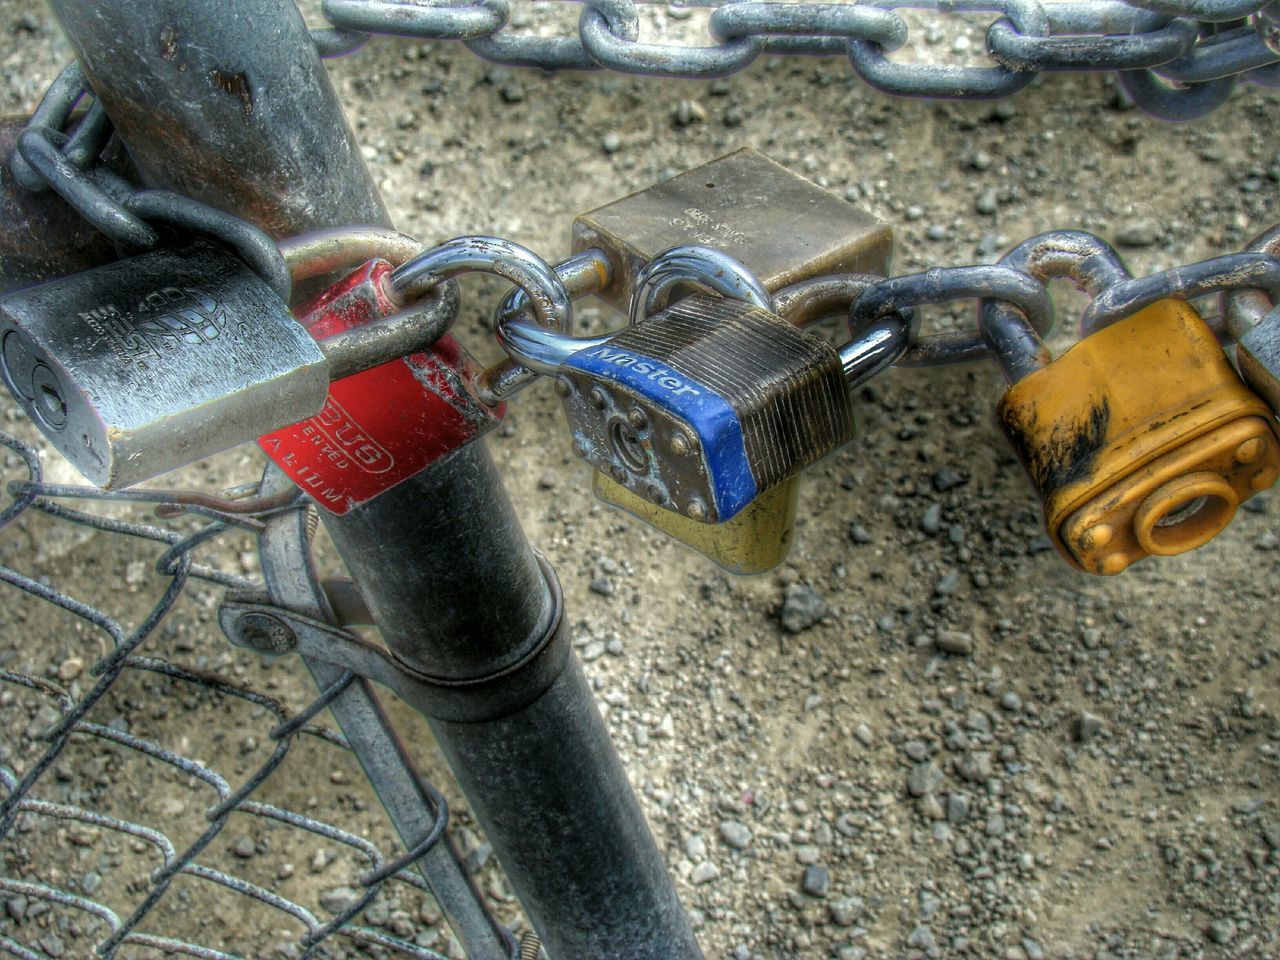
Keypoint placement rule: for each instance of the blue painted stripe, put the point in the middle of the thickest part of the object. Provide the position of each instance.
(709, 415)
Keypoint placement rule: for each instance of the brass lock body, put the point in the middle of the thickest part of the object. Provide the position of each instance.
(780, 226)
(1141, 440)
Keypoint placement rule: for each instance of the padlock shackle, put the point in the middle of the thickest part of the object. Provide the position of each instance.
(809, 302)
(318, 253)
(1085, 259)
(1244, 309)
(409, 331)
(707, 267)
(879, 347)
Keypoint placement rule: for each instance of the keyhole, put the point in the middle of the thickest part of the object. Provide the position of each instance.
(49, 402)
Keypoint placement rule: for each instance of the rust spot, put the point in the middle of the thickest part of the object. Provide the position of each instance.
(1068, 456)
(168, 43)
(236, 84)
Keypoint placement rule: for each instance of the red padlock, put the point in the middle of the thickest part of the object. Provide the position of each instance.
(381, 426)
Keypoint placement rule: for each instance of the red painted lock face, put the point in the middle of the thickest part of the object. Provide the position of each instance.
(381, 426)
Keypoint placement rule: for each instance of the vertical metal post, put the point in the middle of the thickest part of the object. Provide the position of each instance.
(228, 102)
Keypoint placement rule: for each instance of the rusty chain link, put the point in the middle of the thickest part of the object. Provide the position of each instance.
(1177, 59)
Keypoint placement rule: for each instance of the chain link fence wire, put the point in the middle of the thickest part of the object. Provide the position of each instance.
(56, 789)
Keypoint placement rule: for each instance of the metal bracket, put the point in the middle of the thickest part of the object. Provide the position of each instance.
(275, 631)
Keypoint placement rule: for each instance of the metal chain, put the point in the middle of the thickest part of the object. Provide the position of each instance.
(48, 157)
(1177, 59)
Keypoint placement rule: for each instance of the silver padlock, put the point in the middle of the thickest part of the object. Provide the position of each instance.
(147, 364)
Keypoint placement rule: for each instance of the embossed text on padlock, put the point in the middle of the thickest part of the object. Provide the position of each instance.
(780, 226)
(706, 405)
(150, 363)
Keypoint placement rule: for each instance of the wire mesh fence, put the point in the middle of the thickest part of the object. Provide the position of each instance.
(86, 866)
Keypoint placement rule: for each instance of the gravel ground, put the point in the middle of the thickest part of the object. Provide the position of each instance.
(923, 735)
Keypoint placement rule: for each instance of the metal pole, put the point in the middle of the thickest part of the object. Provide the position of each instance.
(230, 103)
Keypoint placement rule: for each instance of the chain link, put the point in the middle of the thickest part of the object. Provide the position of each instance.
(1132, 37)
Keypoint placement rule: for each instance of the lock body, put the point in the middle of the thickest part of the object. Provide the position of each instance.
(1141, 440)
(705, 406)
(383, 425)
(780, 226)
(147, 364)
(1258, 357)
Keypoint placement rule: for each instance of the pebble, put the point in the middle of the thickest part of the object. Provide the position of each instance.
(924, 778)
(695, 848)
(945, 478)
(858, 534)
(1086, 726)
(986, 203)
(244, 847)
(846, 910)
(802, 607)
(70, 668)
(602, 586)
(931, 521)
(955, 642)
(735, 833)
(921, 938)
(1222, 931)
(337, 899)
(816, 880)
(548, 480)
(611, 142)
(704, 872)
(1138, 233)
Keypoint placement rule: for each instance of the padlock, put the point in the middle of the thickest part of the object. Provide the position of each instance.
(703, 407)
(1141, 439)
(150, 363)
(782, 229)
(1258, 357)
(780, 226)
(383, 425)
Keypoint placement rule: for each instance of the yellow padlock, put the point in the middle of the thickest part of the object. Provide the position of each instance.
(1141, 439)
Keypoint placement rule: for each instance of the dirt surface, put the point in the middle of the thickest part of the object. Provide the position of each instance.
(923, 734)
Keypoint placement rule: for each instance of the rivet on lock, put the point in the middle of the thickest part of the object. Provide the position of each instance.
(150, 363)
(383, 425)
(1141, 440)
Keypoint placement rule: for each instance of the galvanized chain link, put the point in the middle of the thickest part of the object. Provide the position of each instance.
(27, 807)
(48, 157)
(1178, 59)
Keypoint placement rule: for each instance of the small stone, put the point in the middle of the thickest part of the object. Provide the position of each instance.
(864, 734)
(337, 899)
(945, 478)
(90, 882)
(931, 521)
(70, 668)
(1032, 949)
(802, 607)
(935, 232)
(602, 586)
(244, 847)
(1222, 931)
(957, 808)
(816, 880)
(924, 778)
(735, 834)
(547, 481)
(611, 142)
(986, 203)
(704, 872)
(666, 727)
(1138, 233)
(321, 859)
(689, 112)
(846, 911)
(1010, 701)
(512, 92)
(592, 651)
(921, 938)
(1086, 726)
(695, 848)
(954, 642)
(858, 534)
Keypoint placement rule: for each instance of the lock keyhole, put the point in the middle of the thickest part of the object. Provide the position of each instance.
(626, 446)
(49, 402)
(1185, 513)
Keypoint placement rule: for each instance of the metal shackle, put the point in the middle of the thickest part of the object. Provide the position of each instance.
(420, 322)
(547, 297)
